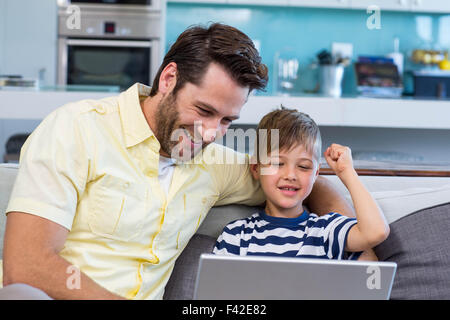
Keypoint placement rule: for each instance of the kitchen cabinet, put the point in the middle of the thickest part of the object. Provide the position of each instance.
(435, 6)
(397, 5)
(200, 1)
(260, 2)
(439, 6)
(321, 4)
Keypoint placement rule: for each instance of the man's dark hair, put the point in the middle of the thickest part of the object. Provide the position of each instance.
(198, 46)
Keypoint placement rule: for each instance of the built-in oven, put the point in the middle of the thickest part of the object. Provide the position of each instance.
(114, 43)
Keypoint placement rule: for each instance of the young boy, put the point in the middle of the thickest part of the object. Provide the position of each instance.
(287, 175)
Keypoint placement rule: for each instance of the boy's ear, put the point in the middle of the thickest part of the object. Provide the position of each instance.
(317, 171)
(254, 169)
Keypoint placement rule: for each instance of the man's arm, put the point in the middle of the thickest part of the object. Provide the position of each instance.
(31, 256)
(325, 197)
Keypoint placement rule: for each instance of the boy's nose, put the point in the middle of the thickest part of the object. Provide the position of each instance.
(289, 173)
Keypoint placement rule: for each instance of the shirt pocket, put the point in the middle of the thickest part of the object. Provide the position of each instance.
(196, 209)
(118, 208)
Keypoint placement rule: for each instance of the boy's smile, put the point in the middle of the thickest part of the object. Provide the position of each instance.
(287, 180)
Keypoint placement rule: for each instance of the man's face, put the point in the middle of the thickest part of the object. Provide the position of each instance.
(198, 114)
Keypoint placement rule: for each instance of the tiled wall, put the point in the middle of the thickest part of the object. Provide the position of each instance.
(308, 30)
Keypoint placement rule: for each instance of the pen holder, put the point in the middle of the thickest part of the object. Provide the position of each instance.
(330, 79)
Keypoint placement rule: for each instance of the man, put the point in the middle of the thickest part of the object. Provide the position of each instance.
(98, 187)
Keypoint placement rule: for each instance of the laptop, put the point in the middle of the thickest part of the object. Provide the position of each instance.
(280, 278)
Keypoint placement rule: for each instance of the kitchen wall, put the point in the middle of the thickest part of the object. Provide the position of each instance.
(308, 30)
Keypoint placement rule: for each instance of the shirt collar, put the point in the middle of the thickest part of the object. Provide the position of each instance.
(135, 126)
(284, 221)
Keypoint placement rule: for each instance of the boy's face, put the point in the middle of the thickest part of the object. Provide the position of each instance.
(287, 180)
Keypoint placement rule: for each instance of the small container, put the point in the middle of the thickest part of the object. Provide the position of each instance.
(330, 79)
(285, 72)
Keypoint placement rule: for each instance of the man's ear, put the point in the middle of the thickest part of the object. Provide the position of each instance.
(168, 78)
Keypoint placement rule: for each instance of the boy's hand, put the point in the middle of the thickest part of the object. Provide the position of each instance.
(339, 158)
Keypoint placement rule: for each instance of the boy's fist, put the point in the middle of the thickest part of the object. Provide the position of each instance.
(339, 158)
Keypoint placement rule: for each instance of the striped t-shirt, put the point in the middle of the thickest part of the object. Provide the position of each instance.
(308, 236)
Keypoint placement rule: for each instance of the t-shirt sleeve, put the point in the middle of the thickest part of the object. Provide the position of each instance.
(229, 242)
(233, 179)
(53, 170)
(335, 236)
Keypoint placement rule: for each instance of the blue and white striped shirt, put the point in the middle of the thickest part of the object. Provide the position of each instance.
(308, 236)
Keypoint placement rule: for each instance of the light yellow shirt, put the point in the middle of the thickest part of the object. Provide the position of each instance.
(92, 167)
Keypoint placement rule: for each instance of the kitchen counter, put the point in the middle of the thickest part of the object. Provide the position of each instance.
(356, 111)
(37, 104)
(345, 111)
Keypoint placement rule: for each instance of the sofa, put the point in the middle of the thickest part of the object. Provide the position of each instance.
(417, 209)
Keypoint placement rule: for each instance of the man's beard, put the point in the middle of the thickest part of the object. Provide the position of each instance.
(168, 130)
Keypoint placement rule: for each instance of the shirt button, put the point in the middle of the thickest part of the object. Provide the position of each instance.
(100, 109)
(126, 185)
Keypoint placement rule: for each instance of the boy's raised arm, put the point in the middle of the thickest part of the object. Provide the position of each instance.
(325, 197)
(372, 227)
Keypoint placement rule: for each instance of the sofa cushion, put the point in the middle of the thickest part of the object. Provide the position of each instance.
(181, 284)
(219, 217)
(400, 196)
(398, 204)
(420, 245)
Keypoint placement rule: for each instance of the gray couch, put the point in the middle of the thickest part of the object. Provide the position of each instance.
(417, 208)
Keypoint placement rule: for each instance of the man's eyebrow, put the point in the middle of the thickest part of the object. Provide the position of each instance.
(213, 110)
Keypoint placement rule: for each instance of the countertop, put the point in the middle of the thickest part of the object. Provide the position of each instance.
(344, 111)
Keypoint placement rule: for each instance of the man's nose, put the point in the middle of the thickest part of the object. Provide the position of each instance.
(210, 130)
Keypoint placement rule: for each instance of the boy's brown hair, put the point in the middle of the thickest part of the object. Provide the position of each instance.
(197, 47)
(294, 128)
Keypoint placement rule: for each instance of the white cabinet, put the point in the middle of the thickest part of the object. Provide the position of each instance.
(398, 5)
(260, 2)
(437, 6)
(200, 1)
(441, 6)
(321, 3)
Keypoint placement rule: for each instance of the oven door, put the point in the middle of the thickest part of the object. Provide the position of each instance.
(107, 62)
